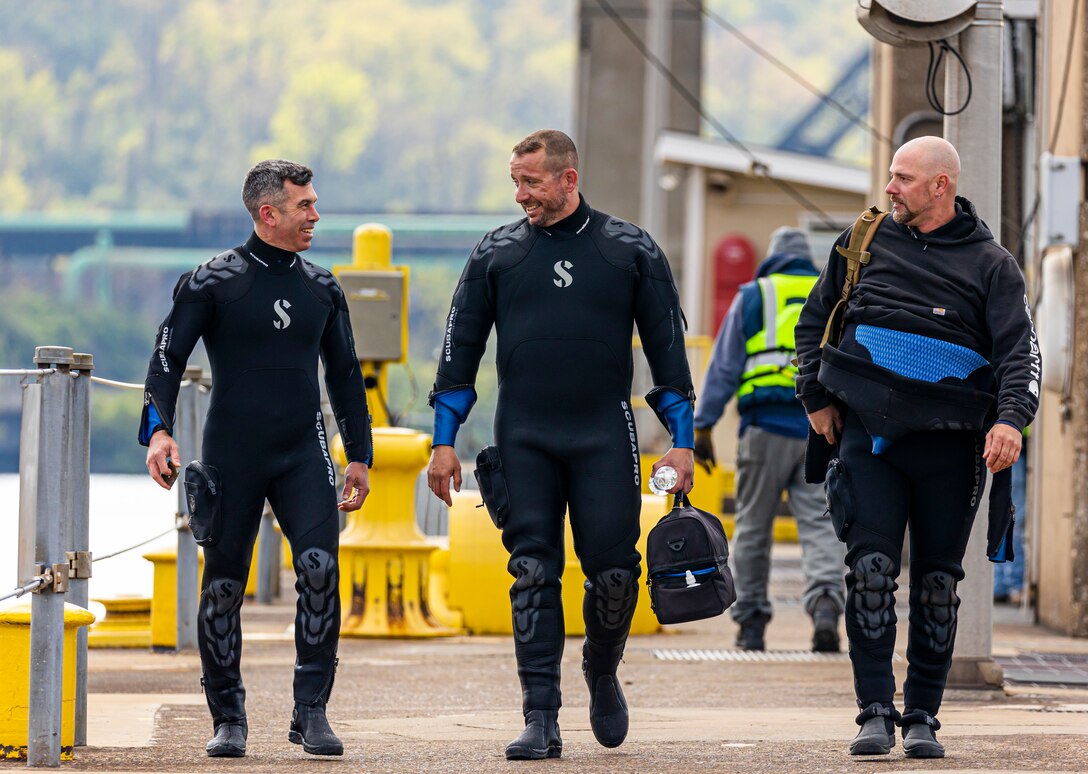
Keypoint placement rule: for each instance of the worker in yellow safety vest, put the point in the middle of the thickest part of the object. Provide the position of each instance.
(752, 360)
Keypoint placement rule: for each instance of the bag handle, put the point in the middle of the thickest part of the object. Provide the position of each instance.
(857, 255)
(680, 499)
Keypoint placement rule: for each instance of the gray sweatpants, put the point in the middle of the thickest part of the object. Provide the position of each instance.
(767, 464)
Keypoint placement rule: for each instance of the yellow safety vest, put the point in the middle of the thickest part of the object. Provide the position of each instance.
(771, 350)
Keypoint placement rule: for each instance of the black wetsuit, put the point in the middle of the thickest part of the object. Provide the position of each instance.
(564, 301)
(265, 316)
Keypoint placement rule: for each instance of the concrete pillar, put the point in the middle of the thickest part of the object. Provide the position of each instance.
(610, 110)
(976, 132)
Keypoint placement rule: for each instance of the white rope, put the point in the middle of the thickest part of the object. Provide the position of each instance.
(27, 371)
(112, 383)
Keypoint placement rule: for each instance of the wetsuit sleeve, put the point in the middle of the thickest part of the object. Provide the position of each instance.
(661, 323)
(674, 410)
(810, 328)
(725, 368)
(344, 381)
(450, 412)
(1015, 357)
(191, 313)
(468, 325)
(661, 327)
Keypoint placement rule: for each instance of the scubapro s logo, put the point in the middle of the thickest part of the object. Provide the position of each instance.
(280, 308)
(565, 280)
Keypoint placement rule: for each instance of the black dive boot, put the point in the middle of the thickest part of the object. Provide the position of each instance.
(309, 726)
(608, 715)
(540, 739)
(919, 739)
(228, 707)
(877, 734)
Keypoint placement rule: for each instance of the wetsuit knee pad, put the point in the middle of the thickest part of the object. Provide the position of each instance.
(527, 594)
(318, 587)
(938, 603)
(874, 594)
(610, 598)
(220, 621)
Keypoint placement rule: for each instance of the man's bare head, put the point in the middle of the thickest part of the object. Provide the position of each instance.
(936, 155)
(924, 175)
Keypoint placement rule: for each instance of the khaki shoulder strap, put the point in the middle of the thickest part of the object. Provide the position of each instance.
(857, 255)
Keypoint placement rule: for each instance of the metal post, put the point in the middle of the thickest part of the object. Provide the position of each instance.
(79, 470)
(28, 481)
(47, 607)
(976, 133)
(268, 560)
(186, 432)
(655, 111)
(694, 276)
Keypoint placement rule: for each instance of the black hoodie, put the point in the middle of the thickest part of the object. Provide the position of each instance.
(955, 283)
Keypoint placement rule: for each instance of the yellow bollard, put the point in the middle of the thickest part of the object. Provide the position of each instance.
(438, 598)
(384, 559)
(15, 687)
(479, 585)
(127, 624)
(164, 596)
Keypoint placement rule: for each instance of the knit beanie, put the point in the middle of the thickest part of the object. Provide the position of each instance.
(790, 241)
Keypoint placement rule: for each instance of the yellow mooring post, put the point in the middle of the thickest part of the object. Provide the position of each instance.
(384, 558)
(479, 583)
(377, 296)
(164, 596)
(127, 624)
(15, 687)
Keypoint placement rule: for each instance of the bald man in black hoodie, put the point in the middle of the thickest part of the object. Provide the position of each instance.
(936, 375)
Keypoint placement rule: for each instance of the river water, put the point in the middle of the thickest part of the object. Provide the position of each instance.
(124, 510)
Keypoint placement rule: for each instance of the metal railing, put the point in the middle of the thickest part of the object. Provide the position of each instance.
(54, 557)
(53, 532)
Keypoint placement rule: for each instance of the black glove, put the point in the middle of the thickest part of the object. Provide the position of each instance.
(704, 448)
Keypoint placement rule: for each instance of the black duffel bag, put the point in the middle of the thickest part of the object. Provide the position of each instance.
(687, 557)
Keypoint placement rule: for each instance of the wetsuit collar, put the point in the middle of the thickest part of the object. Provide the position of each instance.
(573, 224)
(268, 257)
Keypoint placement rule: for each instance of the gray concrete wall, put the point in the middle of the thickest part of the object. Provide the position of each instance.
(608, 115)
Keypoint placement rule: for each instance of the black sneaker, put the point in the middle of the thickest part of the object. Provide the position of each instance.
(540, 739)
(825, 626)
(750, 634)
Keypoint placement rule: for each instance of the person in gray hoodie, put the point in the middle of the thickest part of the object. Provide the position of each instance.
(752, 362)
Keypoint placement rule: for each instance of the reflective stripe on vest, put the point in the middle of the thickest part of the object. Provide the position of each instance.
(771, 350)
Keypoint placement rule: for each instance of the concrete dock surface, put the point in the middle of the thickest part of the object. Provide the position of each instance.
(697, 704)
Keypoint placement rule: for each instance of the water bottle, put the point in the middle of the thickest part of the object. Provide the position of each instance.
(663, 480)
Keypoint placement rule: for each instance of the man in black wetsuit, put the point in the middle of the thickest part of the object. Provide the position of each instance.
(564, 288)
(266, 315)
(934, 378)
